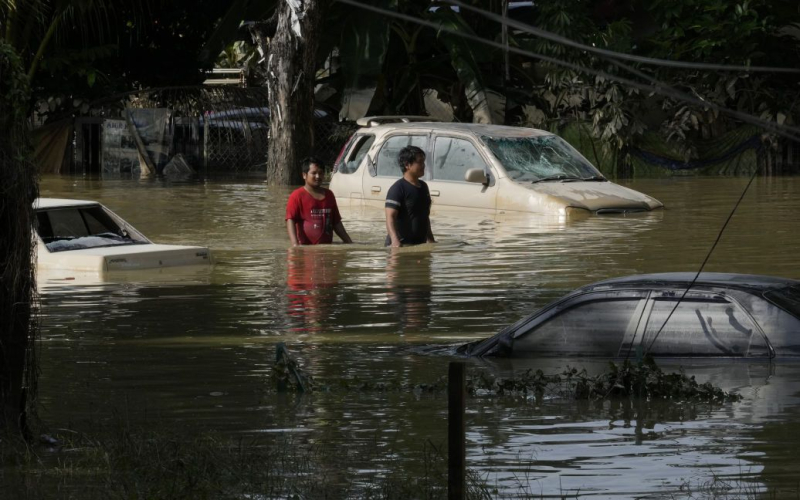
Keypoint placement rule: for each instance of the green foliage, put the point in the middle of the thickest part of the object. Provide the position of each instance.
(14, 89)
(467, 59)
(722, 31)
(745, 32)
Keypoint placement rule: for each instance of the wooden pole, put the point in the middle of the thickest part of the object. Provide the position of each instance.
(456, 432)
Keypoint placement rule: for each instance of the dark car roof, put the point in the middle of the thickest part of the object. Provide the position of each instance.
(752, 282)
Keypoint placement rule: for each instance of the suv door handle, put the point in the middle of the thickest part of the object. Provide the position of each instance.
(376, 189)
(434, 193)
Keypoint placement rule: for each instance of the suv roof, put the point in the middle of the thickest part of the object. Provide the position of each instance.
(474, 128)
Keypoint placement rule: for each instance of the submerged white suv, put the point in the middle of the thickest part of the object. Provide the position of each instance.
(479, 167)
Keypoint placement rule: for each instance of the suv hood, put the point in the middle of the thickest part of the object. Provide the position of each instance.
(591, 195)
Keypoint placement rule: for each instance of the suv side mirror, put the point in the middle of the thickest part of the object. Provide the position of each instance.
(476, 175)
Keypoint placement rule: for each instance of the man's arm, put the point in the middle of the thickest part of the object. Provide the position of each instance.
(339, 230)
(391, 226)
(292, 230)
(429, 237)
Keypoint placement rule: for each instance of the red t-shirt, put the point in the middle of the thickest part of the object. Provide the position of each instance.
(314, 219)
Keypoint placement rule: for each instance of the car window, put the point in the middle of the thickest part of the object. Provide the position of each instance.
(536, 158)
(356, 154)
(65, 223)
(699, 326)
(81, 227)
(387, 159)
(452, 157)
(593, 327)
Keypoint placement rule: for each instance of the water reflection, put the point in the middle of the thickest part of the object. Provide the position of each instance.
(312, 275)
(408, 281)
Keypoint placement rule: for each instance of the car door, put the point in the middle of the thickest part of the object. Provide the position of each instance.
(384, 169)
(700, 324)
(453, 155)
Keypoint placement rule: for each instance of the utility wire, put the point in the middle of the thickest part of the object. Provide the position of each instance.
(778, 129)
(613, 54)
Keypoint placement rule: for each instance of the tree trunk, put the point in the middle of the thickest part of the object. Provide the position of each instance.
(17, 282)
(291, 69)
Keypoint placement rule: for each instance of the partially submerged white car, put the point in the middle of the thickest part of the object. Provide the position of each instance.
(479, 167)
(86, 237)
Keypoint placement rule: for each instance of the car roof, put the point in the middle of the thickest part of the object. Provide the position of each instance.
(473, 128)
(60, 203)
(726, 280)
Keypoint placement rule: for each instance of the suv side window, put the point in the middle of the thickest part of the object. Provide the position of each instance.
(594, 326)
(387, 158)
(453, 157)
(700, 326)
(356, 154)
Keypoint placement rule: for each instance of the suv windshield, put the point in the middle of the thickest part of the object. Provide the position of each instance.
(540, 158)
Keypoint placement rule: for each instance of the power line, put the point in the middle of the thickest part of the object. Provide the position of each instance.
(613, 54)
(662, 89)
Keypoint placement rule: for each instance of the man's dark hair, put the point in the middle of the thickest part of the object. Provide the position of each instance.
(305, 165)
(408, 155)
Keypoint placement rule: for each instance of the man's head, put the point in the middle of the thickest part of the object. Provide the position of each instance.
(313, 172)
(412, 158)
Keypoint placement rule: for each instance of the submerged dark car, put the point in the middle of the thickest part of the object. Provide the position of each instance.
(721, 315)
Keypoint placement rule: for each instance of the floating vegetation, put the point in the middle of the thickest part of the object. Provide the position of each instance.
(644, 380)
(641, 380)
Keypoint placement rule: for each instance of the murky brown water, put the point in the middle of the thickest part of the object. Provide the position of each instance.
(197, 347)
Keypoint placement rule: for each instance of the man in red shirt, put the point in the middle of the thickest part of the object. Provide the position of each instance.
(312, 215)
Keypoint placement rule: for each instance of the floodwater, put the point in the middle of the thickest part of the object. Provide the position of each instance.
(197, 347)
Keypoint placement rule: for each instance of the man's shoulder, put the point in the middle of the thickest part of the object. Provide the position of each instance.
(398, 186)
(297, 192)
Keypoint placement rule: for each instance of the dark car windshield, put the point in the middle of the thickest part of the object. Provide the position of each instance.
(537, 158)
(787, 299)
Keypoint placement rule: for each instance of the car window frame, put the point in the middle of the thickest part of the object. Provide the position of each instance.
(479, 147)
(373, 168)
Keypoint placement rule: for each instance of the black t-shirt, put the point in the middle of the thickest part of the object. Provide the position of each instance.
(414, 206)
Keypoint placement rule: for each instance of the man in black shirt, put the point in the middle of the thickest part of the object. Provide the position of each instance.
(408, 202)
